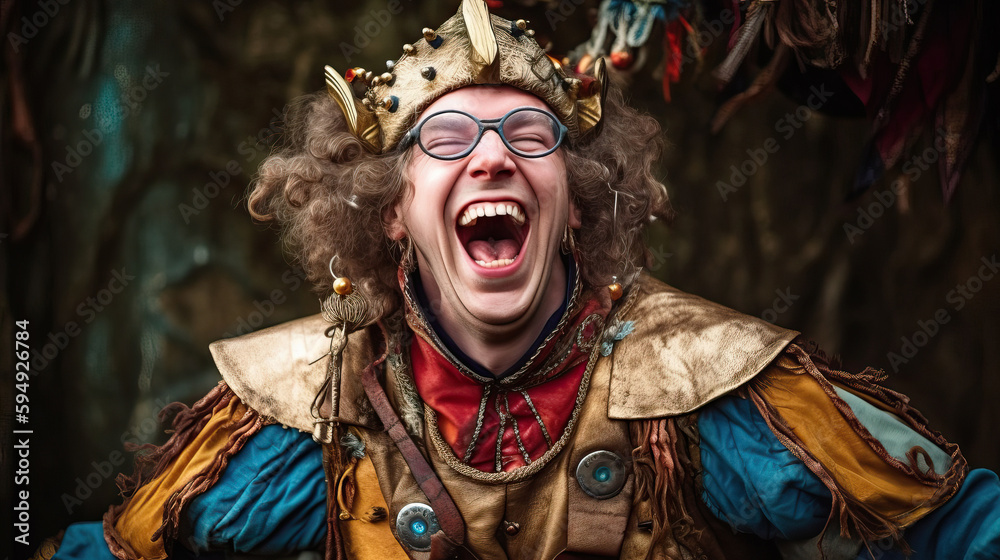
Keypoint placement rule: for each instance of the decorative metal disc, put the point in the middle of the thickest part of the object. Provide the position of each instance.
(415, 524)
(601, 474)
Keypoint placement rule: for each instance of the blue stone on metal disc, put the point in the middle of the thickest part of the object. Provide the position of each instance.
(415, 524)
(602, 474)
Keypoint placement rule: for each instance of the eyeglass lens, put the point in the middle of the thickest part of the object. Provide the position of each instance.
(527, 132)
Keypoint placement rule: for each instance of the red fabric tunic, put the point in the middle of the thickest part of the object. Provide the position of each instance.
(503, 424)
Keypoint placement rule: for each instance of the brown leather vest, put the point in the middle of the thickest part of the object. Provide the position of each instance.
(683, 353)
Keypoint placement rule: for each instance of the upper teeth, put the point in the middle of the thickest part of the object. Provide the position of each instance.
(489, 209)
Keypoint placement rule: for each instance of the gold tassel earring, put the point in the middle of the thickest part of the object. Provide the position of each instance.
(347, 310)
(615, 289)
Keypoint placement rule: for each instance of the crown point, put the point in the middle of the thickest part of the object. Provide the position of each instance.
(516, 29)
(530, 32)
(387, 78)
(389, 65)
(353, 73)
(390, 103)
(432, 38)
(408, 48)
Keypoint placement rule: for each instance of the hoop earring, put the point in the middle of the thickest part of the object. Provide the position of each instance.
(628, 270)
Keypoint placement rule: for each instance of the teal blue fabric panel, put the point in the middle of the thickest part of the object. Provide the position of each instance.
(84, 541)
(966, 527)
(893, 434)
(271, 499)
(751, 481)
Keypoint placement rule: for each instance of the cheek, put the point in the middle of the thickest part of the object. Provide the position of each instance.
(558, 177)
(431, 179)
(552, 186)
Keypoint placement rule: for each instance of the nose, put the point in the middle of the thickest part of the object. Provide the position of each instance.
(491, 159)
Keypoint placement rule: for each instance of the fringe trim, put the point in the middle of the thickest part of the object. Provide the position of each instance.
(659, 474)
(151, 461)
(867, 383)
(856, 519)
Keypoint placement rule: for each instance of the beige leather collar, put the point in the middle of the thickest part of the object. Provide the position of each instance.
(684, 352)
(276, 372)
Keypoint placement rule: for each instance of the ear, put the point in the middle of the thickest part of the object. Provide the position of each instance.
(575, 220)
(392, 218)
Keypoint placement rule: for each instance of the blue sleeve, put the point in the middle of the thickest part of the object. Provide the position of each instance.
(966, 527)
(271, 499)
(84, 541)
(751, 481)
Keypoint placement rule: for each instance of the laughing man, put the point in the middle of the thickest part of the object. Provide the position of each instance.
(493, 377)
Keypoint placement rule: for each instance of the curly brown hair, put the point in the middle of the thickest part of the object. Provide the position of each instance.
(330, 196)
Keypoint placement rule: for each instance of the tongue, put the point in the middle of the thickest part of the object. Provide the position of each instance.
(490, 250)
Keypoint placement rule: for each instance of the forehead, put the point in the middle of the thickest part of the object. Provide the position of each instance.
(485, 102)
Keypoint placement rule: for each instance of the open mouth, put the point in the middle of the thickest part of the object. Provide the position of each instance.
(492, 232)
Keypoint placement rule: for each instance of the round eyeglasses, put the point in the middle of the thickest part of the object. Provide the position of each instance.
(528, 132)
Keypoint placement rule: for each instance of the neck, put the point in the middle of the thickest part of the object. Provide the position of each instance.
(495, 354)
(499, 347)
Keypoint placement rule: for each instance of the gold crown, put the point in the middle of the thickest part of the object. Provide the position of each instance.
(471, 47)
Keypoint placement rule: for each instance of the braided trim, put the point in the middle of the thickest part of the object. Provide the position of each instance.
(519, 474)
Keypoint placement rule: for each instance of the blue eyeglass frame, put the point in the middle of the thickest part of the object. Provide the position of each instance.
(496, 125)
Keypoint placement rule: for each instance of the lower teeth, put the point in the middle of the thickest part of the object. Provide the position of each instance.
(496, 263)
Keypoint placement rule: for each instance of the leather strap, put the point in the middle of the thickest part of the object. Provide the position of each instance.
(334, 538)
(449, 519)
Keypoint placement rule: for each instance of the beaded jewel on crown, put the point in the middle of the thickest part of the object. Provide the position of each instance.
(471, 47)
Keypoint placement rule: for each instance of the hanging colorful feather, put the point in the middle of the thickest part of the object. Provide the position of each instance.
(623, 32)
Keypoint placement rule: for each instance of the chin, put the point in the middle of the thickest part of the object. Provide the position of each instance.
(497, 311)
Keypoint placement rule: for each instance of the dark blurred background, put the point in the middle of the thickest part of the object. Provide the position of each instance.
(126, 243)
